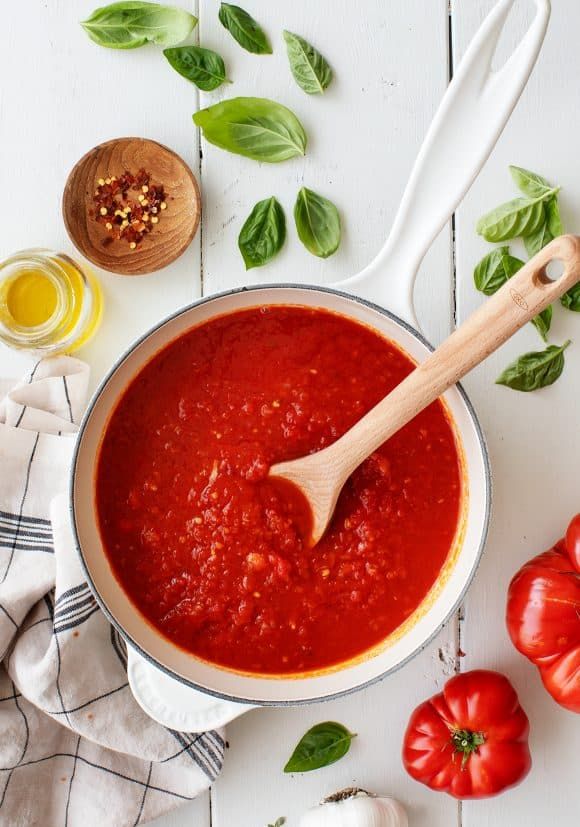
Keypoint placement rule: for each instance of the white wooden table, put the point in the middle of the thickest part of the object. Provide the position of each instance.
(61, 94)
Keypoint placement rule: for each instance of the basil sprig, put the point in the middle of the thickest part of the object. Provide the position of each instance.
(317, 222)
(201, 66)
(322, 745)
(243, 28)
(263, 233)
(255, 127)
(535, 217)
(279, 822)
(523, 216)
(550, 227)
(132, 23)
(310, 69)
(535, 370)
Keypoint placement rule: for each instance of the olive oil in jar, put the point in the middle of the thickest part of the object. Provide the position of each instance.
(48, 303)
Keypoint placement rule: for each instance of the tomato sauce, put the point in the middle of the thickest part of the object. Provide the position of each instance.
(212, 552)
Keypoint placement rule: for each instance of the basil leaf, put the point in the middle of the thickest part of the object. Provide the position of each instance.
(132, 23)
(310, 69)
(495, 269)
(543, 321)
(320, 746)
(255, 127)
(201, 66)
(530, 183)
(571, 299)
(244, 29)
(542, 236)
(279, 822)
(518, 217)
(317, 222)
(554, 218)
(263, 233)
(534, 370)
(550, 228)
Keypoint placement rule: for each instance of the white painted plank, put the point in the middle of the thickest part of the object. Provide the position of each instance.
(533, 439)
(194, 814)
(66, 94)
(364, 134)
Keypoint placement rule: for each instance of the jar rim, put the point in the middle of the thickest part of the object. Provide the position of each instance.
(52, 335)
(12, 267)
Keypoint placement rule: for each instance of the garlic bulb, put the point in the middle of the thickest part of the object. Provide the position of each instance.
(356, 808)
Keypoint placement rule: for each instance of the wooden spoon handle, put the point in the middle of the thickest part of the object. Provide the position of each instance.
(524, 296)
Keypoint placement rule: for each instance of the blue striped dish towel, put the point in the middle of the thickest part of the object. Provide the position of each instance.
(75, 748)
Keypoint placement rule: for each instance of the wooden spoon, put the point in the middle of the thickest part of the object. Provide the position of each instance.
(321, 476)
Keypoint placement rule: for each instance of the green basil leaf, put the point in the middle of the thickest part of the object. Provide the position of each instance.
(310, 69)
(495, 269)
(201, 66)
(530, 183)
(518, 217)
(537, 240)
(263, 233)
(132, 23)
(534, 370)
(320, 746)
(279, 822)
(550, 228)
(543, 321)
(244, 29)
(554, 218)
(317, 222)
(571, 299)
(255, 127)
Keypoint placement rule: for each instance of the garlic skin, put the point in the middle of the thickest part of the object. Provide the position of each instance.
(356, 808)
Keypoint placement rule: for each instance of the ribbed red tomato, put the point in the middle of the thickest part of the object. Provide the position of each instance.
(543, 616)
(471, 741)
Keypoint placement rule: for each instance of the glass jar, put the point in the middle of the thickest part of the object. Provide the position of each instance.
(48, 303)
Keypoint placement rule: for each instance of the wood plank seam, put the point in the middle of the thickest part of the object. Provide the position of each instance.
(457, 618)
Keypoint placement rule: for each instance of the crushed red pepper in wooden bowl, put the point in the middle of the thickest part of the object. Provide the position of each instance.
(129, 206)
(111, 177)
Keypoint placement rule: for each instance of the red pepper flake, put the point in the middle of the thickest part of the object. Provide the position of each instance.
(128, 206)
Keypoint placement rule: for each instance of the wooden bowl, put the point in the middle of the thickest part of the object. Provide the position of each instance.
(177, 224)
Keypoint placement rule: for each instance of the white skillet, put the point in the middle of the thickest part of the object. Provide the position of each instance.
(174, 687)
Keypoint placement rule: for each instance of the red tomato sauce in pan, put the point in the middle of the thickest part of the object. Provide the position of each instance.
(211, 551)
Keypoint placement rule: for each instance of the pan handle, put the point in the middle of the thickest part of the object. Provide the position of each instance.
(172, 703)
(470, 118)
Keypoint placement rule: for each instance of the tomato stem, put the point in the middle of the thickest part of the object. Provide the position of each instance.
(465, 742)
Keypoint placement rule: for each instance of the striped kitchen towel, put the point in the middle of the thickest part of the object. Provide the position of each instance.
(75, 748)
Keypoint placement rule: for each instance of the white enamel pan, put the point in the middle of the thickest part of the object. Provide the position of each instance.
(472, 114)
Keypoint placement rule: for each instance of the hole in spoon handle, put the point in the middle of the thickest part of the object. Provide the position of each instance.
(549, 274)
